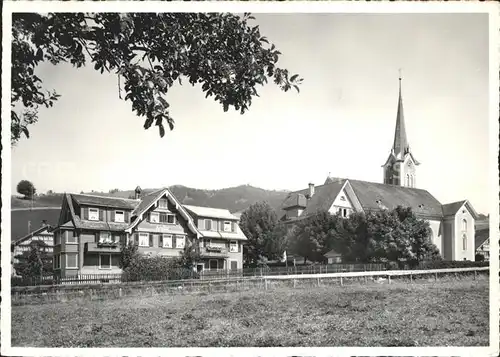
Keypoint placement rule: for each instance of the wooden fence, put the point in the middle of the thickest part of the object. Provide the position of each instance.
(100, 291)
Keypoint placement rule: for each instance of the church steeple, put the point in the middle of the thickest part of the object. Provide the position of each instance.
(399, 168)
(400, 146)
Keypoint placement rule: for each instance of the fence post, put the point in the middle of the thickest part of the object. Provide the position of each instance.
(389, 278)
(294, 283)
(265, 281)
(120, 293)
(411, 278)
(436, 275)
(475, 274)
(318, 282)
(341, 281)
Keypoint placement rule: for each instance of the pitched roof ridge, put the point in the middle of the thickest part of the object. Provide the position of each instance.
(318, 186)
(452, 203)
(99, 196)
(221, 209)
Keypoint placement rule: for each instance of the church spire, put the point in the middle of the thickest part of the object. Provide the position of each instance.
(400, 146)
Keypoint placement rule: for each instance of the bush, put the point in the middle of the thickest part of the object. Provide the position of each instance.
(143, 268)
(452, 264)
(479, 258)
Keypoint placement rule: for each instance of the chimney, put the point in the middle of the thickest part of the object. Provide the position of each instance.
(137, 193)
(311, 190)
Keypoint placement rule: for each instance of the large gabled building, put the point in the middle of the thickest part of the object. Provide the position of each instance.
(452, 225)
(92, 229)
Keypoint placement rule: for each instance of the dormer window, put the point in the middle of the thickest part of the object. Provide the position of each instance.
(93, 214)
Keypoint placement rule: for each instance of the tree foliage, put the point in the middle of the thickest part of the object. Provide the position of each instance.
(397, 236)
(266, 236)
(149, 53)
(26, 188)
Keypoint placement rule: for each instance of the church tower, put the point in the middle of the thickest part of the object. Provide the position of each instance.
(400, 166)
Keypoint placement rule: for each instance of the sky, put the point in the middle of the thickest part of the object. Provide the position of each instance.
(342, 121)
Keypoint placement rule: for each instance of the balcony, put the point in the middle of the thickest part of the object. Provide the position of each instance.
(213, 252)
(103, 247)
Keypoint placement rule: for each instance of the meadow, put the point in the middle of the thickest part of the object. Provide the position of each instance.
(442, 313)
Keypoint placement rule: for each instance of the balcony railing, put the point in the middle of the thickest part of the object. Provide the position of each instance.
(103, 247)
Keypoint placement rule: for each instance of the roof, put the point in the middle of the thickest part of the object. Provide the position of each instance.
(210, 212)
(483, 224)
(420, 201)
(34, 233)
(481, 236)
(332, 253)
(373, 196)
(147, 200)
(103, 201)
(400, 146)
(224, 235)
(295, 199)
(451, 209)
(19, 219)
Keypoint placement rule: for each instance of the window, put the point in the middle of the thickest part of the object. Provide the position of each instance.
(71, 260)
(407, 183)
(104, 261)
(234, 265)
(154, 217)
(105, 237)
(57, 261)
(71, 237)
(464, 225)
(116, 238)
(411, 181)
(93, 214)
(167, 240)
(227, 226)
(119, 216)
(143, 239)
(162, 203)
(343, 212)
(180, 242)
(208, 224)
(464, 242)
(233, 247)
(167, 218)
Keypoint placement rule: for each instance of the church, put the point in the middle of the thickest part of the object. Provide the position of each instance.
(452, 224)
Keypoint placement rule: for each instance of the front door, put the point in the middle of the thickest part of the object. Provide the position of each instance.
(213, 264)
(199, 267)
(234, 265)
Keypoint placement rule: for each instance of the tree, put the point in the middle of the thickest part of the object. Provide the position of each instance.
(128, 253)
(266, 238)
(26, 188)
(189, 256)
(149, 53)
(313, 235)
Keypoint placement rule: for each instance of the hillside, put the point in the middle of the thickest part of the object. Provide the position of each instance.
(234, 199)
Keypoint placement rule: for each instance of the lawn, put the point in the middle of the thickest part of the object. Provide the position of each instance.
(444, 313)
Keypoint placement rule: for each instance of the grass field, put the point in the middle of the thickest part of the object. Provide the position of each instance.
(446, 313)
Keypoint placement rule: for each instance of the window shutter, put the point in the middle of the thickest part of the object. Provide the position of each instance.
(112, 216)
(201, 224)
(233, 227)
(150, 240)
(85, 213)
(126, 216)
(160, 241)
(136, 238)
(101, 215)
(174, 241)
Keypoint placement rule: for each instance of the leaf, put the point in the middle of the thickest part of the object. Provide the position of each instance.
(162, 130)
(292, 78)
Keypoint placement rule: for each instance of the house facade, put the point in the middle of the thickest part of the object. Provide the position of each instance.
(22, 245)
(93, 229)
(452, 224)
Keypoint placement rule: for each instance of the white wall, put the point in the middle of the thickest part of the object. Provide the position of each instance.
(341, 203)
(437, 238)
(459, 253)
